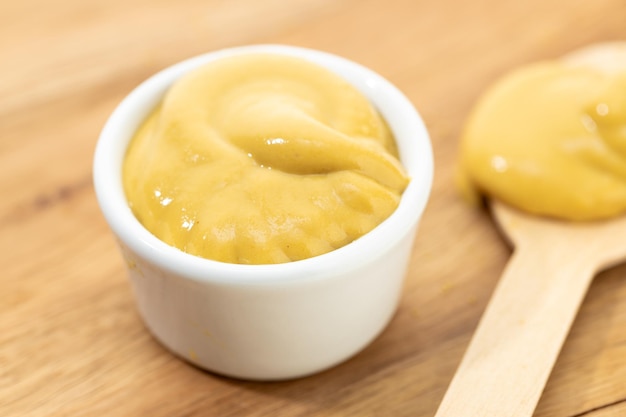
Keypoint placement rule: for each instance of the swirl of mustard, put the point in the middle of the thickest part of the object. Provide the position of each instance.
(550, 138)
(262, 158)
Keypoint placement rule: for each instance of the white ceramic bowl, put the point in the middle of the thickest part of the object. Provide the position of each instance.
(267, 322)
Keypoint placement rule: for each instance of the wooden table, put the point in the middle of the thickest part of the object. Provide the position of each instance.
(71, 342)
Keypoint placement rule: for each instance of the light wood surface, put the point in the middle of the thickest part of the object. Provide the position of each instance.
(519, 336)
(71, 342)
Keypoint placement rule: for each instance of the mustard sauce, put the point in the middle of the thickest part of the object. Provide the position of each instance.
(550, 139)
(259, 159)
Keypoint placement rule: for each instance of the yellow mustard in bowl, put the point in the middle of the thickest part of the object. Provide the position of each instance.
(260, 159)
(550, 139)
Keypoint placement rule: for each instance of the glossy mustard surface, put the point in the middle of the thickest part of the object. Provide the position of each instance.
(261, 159)
(550, 139)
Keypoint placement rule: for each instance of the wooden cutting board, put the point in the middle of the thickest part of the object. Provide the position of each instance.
(71, 342)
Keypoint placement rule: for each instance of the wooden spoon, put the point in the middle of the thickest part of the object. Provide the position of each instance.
(519, 337)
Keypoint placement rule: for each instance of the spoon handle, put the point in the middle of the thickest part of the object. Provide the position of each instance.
(519, 337)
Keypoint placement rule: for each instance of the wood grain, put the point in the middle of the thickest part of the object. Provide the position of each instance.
(71, 342)
(518, 339)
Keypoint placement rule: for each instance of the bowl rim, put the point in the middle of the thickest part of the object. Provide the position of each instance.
(406, 124)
